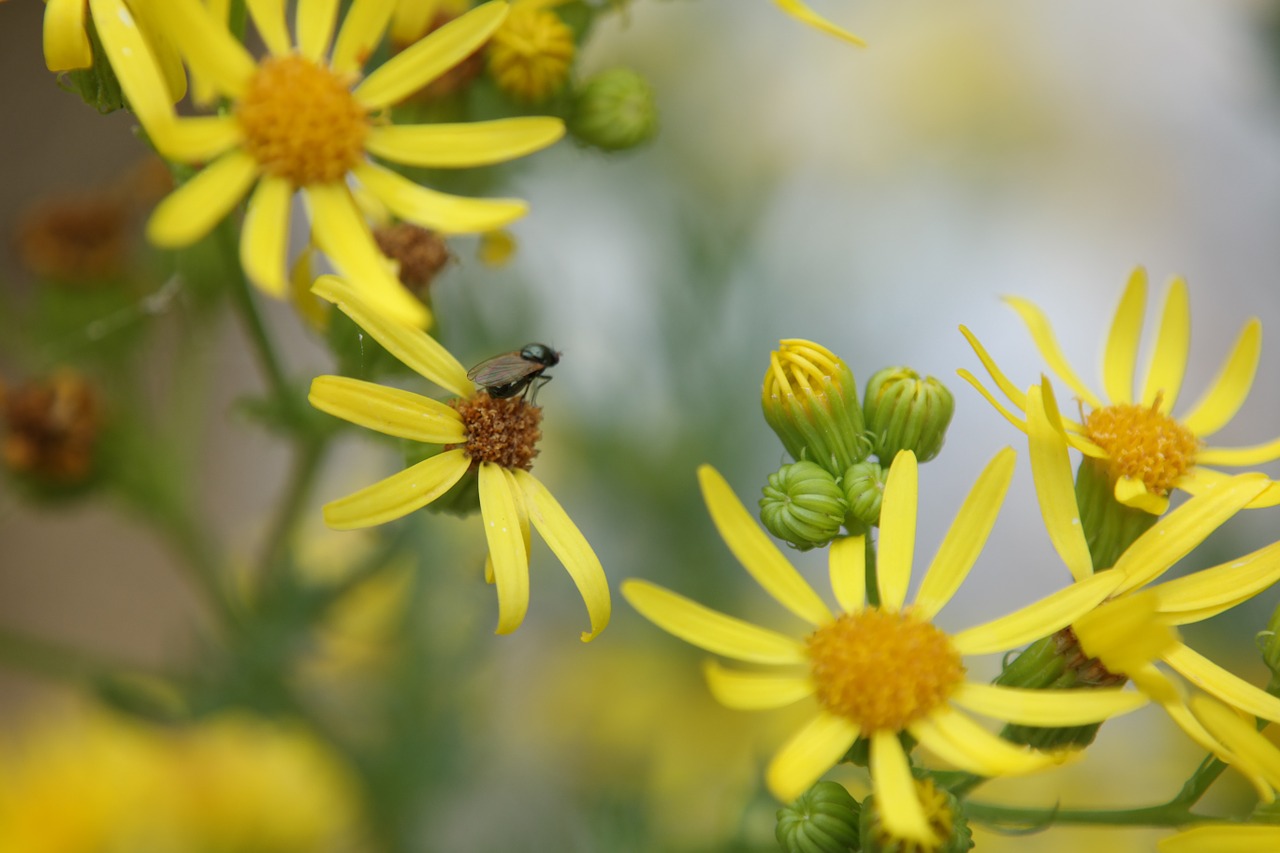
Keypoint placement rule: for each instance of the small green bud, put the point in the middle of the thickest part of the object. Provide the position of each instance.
(803, 505)
(942, 811)
(810, 400)
(904, 412)
(824, 819)
(614, 110)
(863, 486)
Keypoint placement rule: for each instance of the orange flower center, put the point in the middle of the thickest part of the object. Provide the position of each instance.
(301, 123)
(1143, 443)
(883, 670)
(501, 430)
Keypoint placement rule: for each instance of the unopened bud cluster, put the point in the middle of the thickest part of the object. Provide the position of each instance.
(810, 400)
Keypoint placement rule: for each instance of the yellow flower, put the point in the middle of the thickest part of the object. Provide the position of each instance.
(878, 670)
(1259, 759)
(494, 436)
(802, 13)
(301, 119)
(1146, 450)
(1182, 601)
(532, 52)
(66, 40)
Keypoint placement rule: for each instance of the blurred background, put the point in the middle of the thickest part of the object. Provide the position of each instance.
(871, 200)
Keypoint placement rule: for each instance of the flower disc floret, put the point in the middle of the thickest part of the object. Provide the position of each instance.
(883, 670)
(300, 121)
(503, 431)
(1143, 443)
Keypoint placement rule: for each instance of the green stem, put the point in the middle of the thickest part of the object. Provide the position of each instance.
(1169, 814)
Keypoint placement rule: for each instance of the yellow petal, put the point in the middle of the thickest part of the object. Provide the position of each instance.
(399, 494)
(165, 51)
(1241, 738)
(506, 545)
(897, 799)
(390, 411)
(756, 552)
(195, 140)
(133, 61)
(709, 629)
(1042, 333)
(209, 49)
(990, 398)
(1037, 620)
(1008, 388)
(191, 211)
(804, 14)
(447, 214)
(847, 566)
(1223, 838)
(897, 530)
(1175, 535)
(361, 31)
(1049, 708)
(430, 57)
(1055, 486)
(477, 143)
(66, 43)
(957, 739)
(1119, 365)
(755, 691)
(1209, 592)
(415, 348)
(812, 751)
(1239, 457)
(1133, 493)
(966, 536)
(1227, 393)
(314, 25)
(1169, 360)
(571, 548)
(1216, 681)
(345, 237)
(264, 237)
(269, 19)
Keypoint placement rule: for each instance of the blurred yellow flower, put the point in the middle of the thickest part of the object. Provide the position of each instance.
(532, 52)
(301, 119)
(495, 437)
(881, 669)
(1146, 450)
(93, 782)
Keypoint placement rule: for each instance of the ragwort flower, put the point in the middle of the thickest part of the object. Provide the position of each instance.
(494, 436)
(879, 670)
(1147, 451)
(1181, 601)
(301, 119)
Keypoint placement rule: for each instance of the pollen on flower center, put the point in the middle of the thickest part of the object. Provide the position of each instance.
(883, 670)
(300, 121)
(1143, 443)
(500, 430)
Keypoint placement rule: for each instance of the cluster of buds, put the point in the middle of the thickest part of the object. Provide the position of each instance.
(810, 400)
(827, 819)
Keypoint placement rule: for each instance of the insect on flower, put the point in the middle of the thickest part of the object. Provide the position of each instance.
(514, 373)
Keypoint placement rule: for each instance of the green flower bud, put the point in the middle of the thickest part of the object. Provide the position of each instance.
(810, 401)
(824, 819)
(942, 811)
(614, 110)
(863, 486)
(803, 505)
(905, 412)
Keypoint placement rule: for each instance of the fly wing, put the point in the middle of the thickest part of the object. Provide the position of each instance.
(501, 370)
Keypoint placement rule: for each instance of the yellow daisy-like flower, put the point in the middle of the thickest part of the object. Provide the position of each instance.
(494, 436)
(1147, 451)
(1259, 758)
(878, 670)
(532, 52)
(1182, 601)
(804, 14)
(301, 119)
